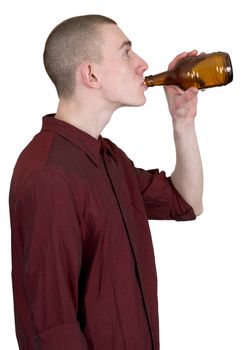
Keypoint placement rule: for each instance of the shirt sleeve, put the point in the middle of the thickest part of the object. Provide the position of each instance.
(48, 261)
(162, 201)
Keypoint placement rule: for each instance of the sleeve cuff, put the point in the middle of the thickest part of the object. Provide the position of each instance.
(186, 211)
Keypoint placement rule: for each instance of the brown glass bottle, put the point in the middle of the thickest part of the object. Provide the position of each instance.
(202, 71)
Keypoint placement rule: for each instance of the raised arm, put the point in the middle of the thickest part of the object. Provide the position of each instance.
(187, 176)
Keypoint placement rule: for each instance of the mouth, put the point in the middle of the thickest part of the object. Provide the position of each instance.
(144, 85)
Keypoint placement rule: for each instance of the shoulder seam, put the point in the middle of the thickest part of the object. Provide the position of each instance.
(38, 171)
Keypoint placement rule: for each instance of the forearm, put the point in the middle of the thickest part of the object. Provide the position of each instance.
(187, 176)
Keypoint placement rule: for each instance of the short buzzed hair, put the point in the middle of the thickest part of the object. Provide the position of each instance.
(71, 42)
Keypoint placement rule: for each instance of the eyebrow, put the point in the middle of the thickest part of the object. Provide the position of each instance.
(125, 43)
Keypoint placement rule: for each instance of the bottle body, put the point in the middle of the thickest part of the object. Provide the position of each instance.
(202, 71)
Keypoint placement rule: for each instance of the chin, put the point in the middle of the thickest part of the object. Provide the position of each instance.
(137, 102)
(140, 102)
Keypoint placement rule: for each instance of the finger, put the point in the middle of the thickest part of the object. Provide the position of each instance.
(180, 56)
(173, 89)
(176, 59)
(192, 53)
(190, 93)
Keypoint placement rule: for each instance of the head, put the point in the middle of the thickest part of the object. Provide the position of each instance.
(92, 50)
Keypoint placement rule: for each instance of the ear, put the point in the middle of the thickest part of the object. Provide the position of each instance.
(87, 74)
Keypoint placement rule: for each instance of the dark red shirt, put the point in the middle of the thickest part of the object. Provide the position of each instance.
(83, 266)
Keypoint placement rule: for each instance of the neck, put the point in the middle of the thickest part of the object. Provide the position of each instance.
(87, 117)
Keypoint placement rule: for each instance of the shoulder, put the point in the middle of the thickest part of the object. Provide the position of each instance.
(38, 183)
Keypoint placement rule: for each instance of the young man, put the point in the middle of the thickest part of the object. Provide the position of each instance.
(83, 265)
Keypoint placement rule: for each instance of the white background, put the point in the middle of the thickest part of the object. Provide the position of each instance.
(201, 264)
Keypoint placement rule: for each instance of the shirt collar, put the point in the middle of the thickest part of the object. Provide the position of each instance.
(87, 143)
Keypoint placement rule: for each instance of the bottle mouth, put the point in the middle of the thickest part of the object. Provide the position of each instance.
(148, 81)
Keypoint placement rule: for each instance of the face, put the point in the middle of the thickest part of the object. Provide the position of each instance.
(121, 71)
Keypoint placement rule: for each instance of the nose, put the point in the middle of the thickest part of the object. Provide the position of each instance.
(142, 66)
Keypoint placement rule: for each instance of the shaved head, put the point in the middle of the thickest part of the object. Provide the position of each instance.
(71, 42)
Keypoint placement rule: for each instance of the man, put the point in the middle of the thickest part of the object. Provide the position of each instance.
(83, 265)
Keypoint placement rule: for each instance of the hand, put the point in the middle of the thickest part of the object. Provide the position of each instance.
(182, 104)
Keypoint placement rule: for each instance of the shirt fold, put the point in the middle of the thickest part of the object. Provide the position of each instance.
(63, 337)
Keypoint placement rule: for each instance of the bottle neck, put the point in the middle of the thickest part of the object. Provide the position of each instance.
(164, 78)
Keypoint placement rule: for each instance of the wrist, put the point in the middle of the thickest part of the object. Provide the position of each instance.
(183, 125)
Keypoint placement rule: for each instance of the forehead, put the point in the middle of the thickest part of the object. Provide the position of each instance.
(113, 36)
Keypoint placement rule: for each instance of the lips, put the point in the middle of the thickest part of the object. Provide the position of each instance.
(144, 85)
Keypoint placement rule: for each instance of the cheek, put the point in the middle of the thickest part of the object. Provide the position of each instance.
(116, 84)
(116, 91)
